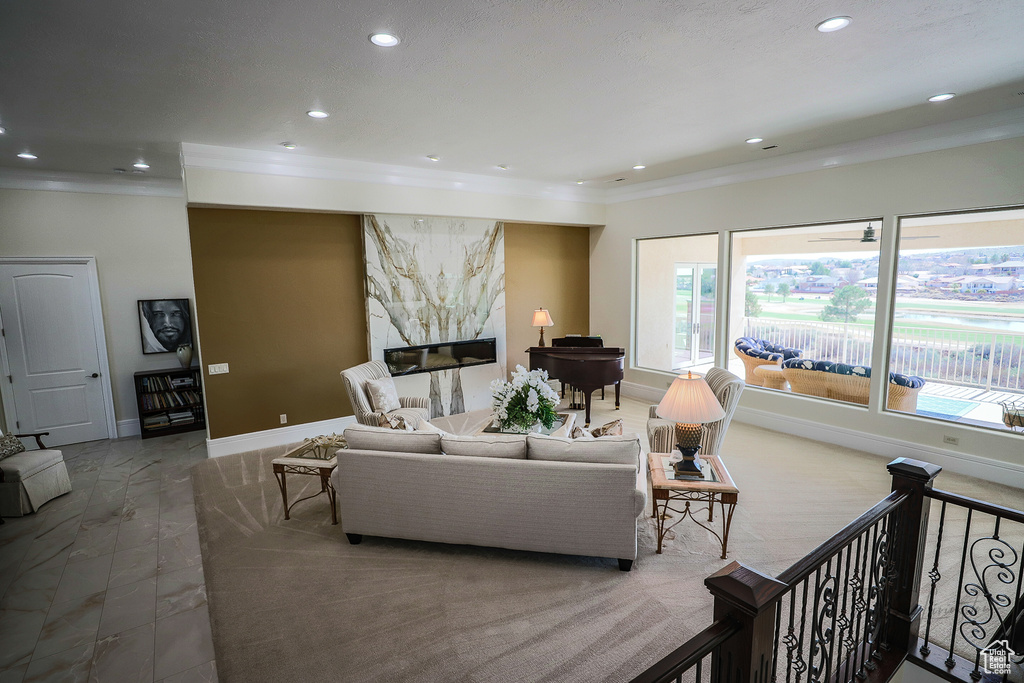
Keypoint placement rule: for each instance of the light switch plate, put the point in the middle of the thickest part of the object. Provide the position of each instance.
(218, 368)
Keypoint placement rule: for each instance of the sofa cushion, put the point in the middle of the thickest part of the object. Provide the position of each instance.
(367, 438)
(383, 395)
(486, 446)
(21, 466)
(624, 450)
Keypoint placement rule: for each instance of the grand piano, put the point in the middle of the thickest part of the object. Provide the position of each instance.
(586, 368)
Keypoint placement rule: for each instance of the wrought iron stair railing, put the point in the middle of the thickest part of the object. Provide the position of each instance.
(850, 610)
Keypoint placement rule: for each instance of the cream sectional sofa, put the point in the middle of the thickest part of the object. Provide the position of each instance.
(533, 492)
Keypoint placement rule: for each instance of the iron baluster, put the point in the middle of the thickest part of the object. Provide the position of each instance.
(950, 662)
(934, 575)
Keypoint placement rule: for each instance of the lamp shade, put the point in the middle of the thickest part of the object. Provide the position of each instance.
(690, 401)
(541, 318)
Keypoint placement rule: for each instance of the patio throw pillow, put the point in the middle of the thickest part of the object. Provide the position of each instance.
(383, 395)
(10, 445)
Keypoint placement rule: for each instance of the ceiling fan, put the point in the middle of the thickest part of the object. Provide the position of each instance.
(869, 236)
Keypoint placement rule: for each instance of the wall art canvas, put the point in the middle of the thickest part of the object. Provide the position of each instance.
(165, 324)
(431, 280)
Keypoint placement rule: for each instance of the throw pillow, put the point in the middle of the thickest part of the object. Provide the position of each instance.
(394, 422)
(580, 433)
(383, 395)
(9, 445)
(613, 428)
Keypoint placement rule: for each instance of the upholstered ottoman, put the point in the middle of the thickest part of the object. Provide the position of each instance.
(31, 478)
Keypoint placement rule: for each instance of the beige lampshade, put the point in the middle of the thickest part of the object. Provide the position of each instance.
(690, 401)
(541, 318)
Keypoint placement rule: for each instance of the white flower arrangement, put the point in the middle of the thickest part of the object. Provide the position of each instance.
(524, 401)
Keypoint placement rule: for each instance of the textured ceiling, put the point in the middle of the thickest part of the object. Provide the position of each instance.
(556, 90)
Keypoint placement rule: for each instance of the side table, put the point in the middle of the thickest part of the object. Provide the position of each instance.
(716, 487)
(772, 376)
(309, 459)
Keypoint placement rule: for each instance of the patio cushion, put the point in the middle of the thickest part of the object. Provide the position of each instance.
(760, 348)
(909, 381)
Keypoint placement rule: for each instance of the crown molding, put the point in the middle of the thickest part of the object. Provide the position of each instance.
(324, 168)
(54, 181)
(971, 131)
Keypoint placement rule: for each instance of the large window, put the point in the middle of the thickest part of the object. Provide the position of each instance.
(958, 317)
(676, 286)
(808, 292)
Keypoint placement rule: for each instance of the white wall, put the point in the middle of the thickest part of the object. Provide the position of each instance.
(985, 175)
(142, 252)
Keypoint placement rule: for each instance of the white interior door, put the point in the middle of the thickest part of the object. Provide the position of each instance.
(53, 355)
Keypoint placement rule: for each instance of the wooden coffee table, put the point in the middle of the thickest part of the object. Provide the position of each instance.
(716, 487)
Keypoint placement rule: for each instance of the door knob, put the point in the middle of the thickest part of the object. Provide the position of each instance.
(95, 375)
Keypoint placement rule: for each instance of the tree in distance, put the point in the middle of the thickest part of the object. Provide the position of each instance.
(819, 268)
(751, 306)
(846, 304)
(769, 289)
(783, 291)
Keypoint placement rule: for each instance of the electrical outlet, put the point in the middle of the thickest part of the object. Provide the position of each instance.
(218, 368)
(951, 440)
(284, 419)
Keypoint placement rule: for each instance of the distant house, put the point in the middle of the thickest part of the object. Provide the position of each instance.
(981, 269)
(820, 284)
(904, 284)
(987, 283)
(1009, 268)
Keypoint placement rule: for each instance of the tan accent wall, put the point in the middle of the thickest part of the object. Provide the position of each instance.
(279, 297)
(546, 266)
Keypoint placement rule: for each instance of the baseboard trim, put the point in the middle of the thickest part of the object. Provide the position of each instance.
(128, 428)
(641, 392)
(229, 445)
(961, 463)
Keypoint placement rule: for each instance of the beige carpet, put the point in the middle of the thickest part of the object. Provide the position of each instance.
(292, 600)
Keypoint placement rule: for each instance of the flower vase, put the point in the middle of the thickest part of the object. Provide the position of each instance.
(184, 354)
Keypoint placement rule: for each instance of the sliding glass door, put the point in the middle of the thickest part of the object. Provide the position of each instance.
(694, 314)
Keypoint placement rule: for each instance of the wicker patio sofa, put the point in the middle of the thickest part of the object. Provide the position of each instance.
(755, 352)
(849, 383)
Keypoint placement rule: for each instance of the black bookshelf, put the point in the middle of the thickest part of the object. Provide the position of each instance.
(169, 401)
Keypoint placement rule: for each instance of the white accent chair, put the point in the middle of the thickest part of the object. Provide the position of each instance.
(727, 388)
(31, 478)
(413, 408)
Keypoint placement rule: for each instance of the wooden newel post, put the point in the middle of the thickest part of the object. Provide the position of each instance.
(915, 477)
(749, 597)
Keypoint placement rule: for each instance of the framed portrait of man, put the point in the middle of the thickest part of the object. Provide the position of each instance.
(165, 324)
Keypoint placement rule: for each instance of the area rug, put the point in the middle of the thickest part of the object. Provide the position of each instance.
(292, 600)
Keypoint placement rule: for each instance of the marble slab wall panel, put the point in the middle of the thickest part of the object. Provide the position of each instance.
(431, 280)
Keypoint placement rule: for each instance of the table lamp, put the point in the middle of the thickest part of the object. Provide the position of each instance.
(689, 403)
(542, 319)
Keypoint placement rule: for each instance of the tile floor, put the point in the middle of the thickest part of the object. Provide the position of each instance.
(106, 583)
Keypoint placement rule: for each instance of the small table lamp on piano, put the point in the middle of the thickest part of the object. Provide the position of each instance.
(689, 403)
(542, 319)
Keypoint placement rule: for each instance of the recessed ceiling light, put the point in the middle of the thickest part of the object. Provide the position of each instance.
(433, 157)
(141, 165)
(943, 97)
(833, 24)
(503, 167)
(384, 39)
(639, 167)
(579, 182)
(27, 155)
(289, 145)
(754, 141)
(317, 114)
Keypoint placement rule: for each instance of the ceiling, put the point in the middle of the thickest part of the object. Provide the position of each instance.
(556, 90)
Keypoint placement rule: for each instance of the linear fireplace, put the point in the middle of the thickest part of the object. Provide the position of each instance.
(409, 360)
